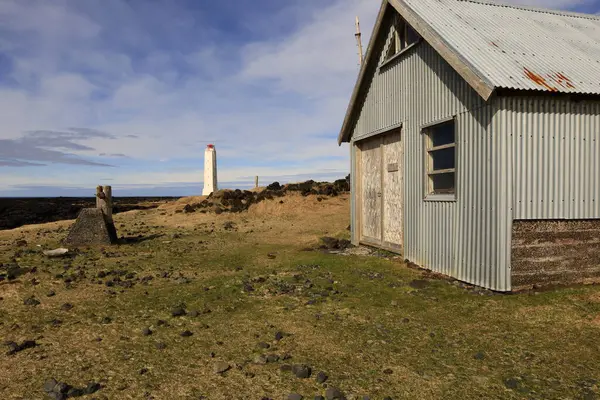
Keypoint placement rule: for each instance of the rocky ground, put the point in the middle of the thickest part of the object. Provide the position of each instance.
(272, 302)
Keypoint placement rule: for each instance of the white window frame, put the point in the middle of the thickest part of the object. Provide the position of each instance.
(426, 131)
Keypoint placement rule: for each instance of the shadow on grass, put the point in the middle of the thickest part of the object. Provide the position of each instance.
(138, 239)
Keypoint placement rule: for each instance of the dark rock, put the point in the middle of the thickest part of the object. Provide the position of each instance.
(160, 346)
(66, 307)
(295, 396)
(278, 336)
(14, 348)
(49, 385)
(143, 371)
(193, 314)
(418, 284)
(146, 332)
(271, 358)
(92, 387)
(75, 392)
(285, 368)
(405, 320)
(388, 371)
(51, 293)
(260, 359)
(106, 320)
(228, 226)
(178, 312)
(479, 356)
(321, 377)
(186, 334)
(511, 383)
(264, 345)
(62, 387)
(274, 186)
(319, 398)
(31, 301)
(301, 371)
(333, 393)
(387, 398)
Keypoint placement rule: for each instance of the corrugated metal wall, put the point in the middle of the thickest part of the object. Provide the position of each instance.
(556, 148)
(466, 238)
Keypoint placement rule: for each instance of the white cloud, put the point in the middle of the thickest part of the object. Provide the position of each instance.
(278, 101)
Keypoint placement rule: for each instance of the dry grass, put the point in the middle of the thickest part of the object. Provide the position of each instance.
(369, 320)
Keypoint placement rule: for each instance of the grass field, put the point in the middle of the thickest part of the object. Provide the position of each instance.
(375, 327)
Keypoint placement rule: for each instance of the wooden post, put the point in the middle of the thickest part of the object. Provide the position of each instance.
(104, 201)
(358, 35)
(256, 182)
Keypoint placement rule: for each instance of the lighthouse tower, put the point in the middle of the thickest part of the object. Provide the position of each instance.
(210, 170)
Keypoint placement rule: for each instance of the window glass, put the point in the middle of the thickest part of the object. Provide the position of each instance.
(443, 183)
(443, 159)
(442, 134)
(411, 35)
(440, 159)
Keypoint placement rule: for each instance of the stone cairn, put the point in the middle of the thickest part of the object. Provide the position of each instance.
(94, 226)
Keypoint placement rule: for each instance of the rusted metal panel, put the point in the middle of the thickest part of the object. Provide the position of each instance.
(519, 47)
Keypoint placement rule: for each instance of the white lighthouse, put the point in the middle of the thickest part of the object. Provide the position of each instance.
(210, 170)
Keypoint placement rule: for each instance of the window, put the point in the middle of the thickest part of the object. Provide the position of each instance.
(403, 35)
(440, 158)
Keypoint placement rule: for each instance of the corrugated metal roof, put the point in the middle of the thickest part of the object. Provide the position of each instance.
(519, 47)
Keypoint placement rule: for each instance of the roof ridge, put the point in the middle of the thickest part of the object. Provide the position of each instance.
(565, 13)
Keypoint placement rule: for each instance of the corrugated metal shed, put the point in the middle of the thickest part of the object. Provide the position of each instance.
(517, 47)
(533, 157)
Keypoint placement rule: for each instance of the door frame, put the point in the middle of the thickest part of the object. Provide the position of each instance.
(395, 248)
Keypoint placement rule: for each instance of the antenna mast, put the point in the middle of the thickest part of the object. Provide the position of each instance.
(359, 42)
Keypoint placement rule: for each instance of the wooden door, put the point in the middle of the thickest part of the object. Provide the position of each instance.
(380, 191)
(370, 219)
(392, 190)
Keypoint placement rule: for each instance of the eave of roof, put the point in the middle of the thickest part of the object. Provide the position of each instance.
(481, 85)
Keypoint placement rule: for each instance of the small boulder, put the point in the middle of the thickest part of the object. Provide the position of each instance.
(221, 367)
(301, 371)
(321, 377)
(178, 312)
(333, 393)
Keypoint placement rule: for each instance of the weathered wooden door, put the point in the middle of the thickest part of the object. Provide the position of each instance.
(371, 195)
(380, 191)
(392, 190)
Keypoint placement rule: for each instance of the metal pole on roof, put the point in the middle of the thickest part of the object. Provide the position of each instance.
(359, 42)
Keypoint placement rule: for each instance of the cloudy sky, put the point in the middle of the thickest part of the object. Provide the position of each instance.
(129, 92)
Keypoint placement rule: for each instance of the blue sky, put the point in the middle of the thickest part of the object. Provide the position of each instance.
(129, 92)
